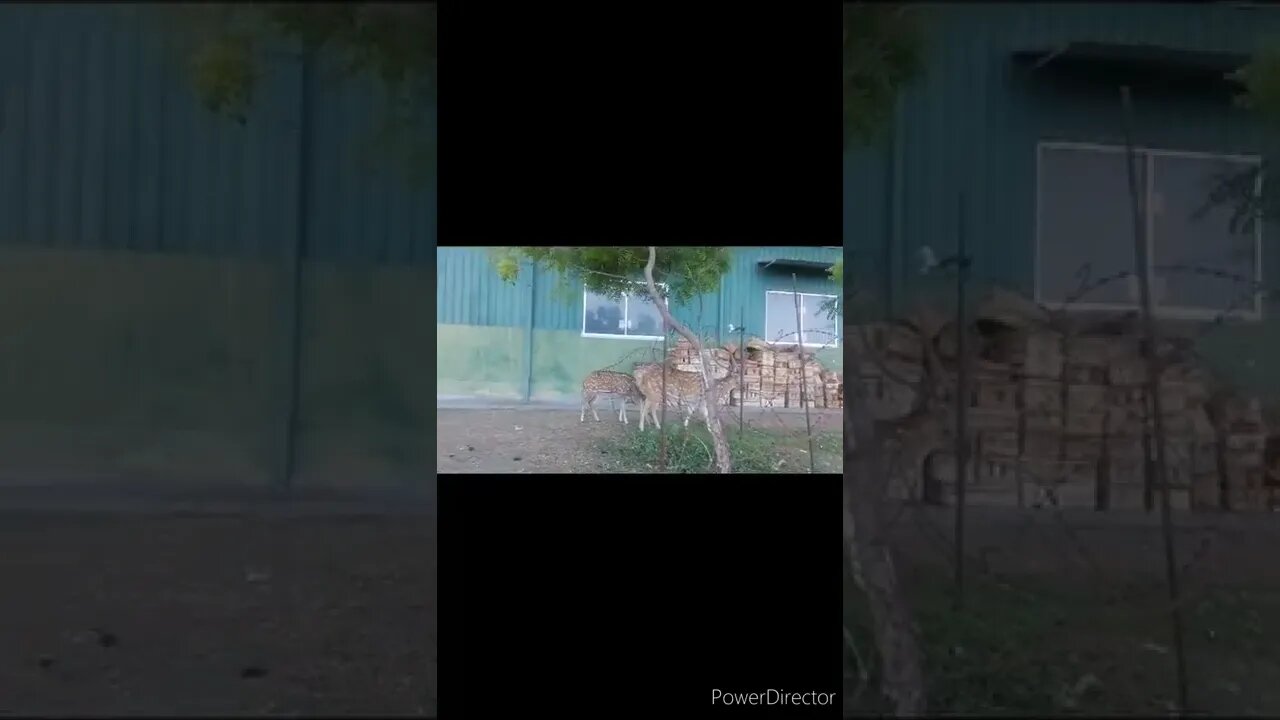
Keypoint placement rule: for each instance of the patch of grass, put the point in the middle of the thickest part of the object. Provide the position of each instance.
(754, 450)
(1032, 647)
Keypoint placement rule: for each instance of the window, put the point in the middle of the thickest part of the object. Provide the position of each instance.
(634, 315)
(1199, 266)
(817, 326)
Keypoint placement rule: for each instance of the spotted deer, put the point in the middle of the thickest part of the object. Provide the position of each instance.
(685, 390)
(611, 383)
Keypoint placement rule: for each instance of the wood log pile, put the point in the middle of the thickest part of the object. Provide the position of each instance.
(1069, 412)
(772, 375)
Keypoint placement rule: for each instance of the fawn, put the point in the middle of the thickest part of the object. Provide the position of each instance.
(613, 384)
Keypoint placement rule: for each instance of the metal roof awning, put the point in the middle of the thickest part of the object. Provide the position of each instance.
(1150, 68)
(789, 264)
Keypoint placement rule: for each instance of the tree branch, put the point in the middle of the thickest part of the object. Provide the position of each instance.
(711, 396)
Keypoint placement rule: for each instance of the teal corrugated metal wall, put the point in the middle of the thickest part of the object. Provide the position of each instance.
(867, 214)
(105, 145)
(134, 225)
(746, 283)
(972, 123)
(362, 211)
(469, 292)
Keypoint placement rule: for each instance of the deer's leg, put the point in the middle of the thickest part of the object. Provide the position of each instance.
(622, 413)
(586, 400)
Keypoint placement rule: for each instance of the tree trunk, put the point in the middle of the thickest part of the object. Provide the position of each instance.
(902, 677)
(711, 390)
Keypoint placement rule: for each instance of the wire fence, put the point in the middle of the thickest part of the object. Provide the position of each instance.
(1041, 576)
(783, 415)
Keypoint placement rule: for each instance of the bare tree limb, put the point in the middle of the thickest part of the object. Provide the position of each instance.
(711, 394)
(902, 678)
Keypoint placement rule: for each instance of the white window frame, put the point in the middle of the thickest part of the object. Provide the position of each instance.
(626, 314)
(1171, 312)
(769, 338)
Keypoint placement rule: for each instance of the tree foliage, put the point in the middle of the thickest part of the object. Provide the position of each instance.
(669, 274)
(835, 306)
(686, 272)
(229, 45)
(1260, 80)
(1260, 84)
(883, 51)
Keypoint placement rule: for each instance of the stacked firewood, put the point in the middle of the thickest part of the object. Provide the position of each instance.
(1086, 425)
(772, 376)
(1068, 414)
(1240, 472)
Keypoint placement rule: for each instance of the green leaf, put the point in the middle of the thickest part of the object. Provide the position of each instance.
(883, 51)
(686, 272)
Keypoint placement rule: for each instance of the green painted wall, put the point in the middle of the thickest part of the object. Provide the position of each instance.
(561, 358)
(174, 368)
(831, 358)
(474, 361)
(482, 322)
(479, 361)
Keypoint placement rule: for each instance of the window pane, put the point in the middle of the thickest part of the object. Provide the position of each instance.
(1086, 217)
(1182, 186)
(780, 318)
(604, 316)
(645, 318)
(819, 329)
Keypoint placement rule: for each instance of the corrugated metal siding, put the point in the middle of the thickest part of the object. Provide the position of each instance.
(746, 283)
(971, 124)
(744, 288)
(469, 292)
(557, 303)
(106, 146)
(867, 213)
(362, 210)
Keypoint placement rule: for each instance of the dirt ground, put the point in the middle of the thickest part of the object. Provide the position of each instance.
(552, 439)
(144, 614)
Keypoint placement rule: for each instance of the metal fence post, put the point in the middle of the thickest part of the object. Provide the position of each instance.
(962, 394)
(804, 381)
(293, 285)
(742, 365)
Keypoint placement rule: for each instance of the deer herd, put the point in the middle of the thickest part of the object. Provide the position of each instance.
(684, 390)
